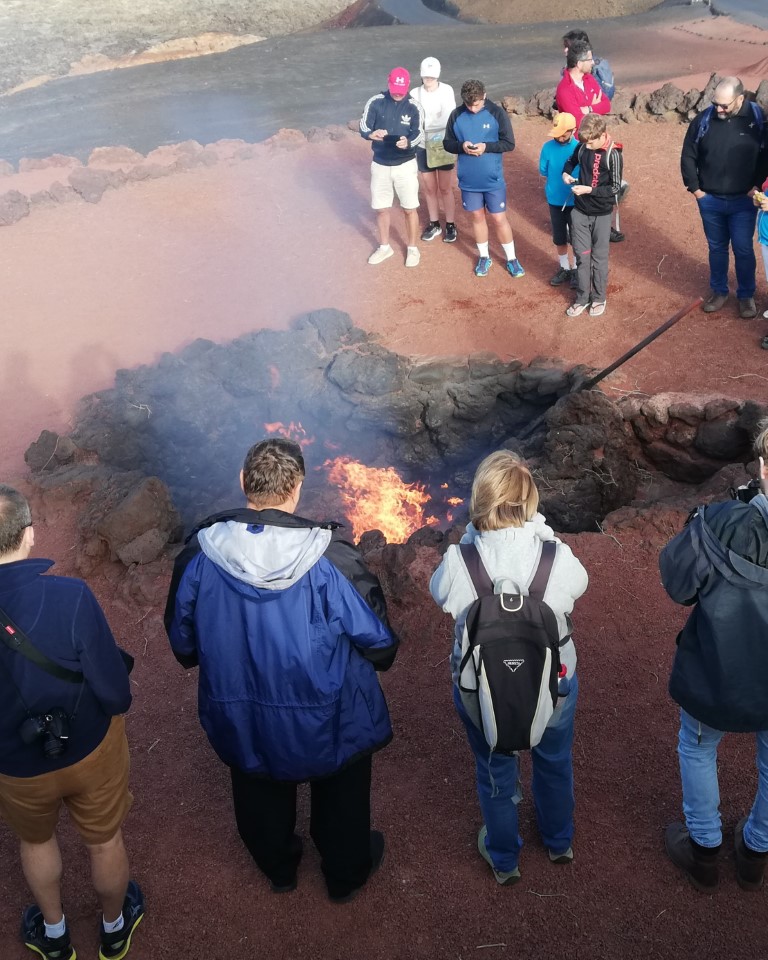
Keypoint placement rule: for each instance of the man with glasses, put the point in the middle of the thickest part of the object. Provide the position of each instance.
(579, 93)
(724, 160)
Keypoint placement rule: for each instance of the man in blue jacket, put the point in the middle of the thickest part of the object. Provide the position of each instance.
(63, 689)
(288, 629)
(479, 131)
(394, 123)
(719, 564)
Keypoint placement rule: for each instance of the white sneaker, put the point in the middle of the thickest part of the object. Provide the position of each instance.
(765, 315)
(380, 254)
(413, 257)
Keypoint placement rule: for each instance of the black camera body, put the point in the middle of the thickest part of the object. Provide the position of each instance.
(52, 728)
(745, 492)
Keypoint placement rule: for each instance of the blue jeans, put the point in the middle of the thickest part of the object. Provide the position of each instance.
(701, 793)
(499, 790)
(730, 220)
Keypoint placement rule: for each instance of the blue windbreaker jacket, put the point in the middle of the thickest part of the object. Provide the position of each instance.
(490, 126)
(719, 562)
(271, 607)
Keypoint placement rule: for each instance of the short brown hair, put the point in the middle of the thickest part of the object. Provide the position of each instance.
(271, 471)
(761, 440)
(503, 493)
(15, 517)
(472, 91)
(592, 127)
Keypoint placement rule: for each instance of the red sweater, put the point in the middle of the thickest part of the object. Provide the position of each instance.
(570, 98)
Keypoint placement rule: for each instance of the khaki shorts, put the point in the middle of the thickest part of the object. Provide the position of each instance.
(95, 791)
(402, 180)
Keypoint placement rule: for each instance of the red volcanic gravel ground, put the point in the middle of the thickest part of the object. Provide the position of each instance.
(215, 252)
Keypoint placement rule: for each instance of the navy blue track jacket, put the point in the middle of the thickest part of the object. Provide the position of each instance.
(490, 126)
(400, 118)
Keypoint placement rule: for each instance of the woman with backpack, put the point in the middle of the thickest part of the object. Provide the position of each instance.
(510, 537)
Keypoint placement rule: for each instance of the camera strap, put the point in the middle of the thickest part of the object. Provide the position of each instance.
(16, 640)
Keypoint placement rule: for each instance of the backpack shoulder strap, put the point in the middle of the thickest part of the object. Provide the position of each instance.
(538, 584)
(476, 569)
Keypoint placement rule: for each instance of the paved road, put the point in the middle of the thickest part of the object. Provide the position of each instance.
(297, 81)
(412, 11)
(753, 12)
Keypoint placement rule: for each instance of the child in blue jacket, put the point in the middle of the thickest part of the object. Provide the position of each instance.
(552, 159)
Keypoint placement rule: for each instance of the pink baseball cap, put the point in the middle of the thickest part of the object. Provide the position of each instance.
(399, 81)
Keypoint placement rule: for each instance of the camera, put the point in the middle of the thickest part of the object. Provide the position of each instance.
(745, 492)
(51, 727)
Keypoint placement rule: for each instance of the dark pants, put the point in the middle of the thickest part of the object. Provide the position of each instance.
(730, 221)
(591, 238)
(340, 825)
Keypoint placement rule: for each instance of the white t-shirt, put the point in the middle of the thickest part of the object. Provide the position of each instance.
(436, 104)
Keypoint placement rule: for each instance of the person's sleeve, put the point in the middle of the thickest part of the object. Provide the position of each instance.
(573, 571)
(350, 615)
(543, 164)
(566, 98)
(572, 162)
(100, 661)
(678, 564)
(181, 631)
(416, 130)
(450, 141)
(369, 118)
(603, 105)
(762, 160)
(348, 561)
(450, 585)
(506, 141)
(689, 158)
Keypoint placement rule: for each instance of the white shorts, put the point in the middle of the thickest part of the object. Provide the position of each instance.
(402, 180)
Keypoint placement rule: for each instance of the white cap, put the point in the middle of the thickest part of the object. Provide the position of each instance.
(430, 68)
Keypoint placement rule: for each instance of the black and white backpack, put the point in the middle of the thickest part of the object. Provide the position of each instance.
(510, 656)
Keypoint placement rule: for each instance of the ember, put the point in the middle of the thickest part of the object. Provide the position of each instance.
(378, 499)
(292, 431)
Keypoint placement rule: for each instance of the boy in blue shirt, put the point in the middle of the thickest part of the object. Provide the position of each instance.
(552, 159)
(479, 131)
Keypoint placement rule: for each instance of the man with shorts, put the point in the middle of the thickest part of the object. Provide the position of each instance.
(63, 687)
(479, 131)
(394, 123)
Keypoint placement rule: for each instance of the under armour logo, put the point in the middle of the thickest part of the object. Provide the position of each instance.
(513, 664)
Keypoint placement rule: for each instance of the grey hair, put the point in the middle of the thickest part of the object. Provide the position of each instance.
(733, 84)
(15, 517)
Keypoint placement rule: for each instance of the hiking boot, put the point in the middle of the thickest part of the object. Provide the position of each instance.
(114, 946)
(504, 877)
(561, 276)
(412, 257)
(573, 283)
(483, 266)
(380, 254)
(432, 230)
(515, 269)
(33, 936)
(377, 858)
(561, 858)
(576, 309)
(715, 302)
(699, 864)
(747, 308)
(616, 235)
(450, 233)
(750, 865)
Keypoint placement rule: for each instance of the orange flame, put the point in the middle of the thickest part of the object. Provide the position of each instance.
(293, 431)
(454, 501)
(378, 499)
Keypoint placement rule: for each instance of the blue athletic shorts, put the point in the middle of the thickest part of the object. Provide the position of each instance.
(494, 201)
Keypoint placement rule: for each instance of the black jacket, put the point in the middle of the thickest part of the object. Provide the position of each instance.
(719, 562)
(600, 169)
(730, 158)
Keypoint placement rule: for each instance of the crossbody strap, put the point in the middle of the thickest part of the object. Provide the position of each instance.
(16, 640)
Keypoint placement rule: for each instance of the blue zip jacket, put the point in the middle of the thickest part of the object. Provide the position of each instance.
(719, 562)
(288, 648)
(551, 162)
(400, 118)
(63, 620)
(490, 126)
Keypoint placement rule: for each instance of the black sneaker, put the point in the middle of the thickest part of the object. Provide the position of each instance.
(573, 283)
(450, 233)
(616, 235)
(432, 230)
(377, 858)
(114, 946)
(33, 936)
(561, 276)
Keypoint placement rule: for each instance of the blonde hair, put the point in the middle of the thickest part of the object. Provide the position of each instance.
(503, 493)
(761, 440)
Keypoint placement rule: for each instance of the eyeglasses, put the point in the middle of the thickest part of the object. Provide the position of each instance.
(587, 60)
(724, 106)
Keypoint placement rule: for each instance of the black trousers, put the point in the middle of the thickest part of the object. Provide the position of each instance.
(340, 825)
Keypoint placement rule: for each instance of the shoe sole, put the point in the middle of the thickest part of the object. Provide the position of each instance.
(450, 239)
(433, 237)
(126, 946)
(45, 956)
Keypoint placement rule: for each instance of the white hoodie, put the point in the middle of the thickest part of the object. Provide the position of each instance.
(509, 556)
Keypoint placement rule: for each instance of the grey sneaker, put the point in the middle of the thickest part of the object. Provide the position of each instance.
(747, 308)
(432, 230)
(504, 877)
(561, 858)
(715, 302)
